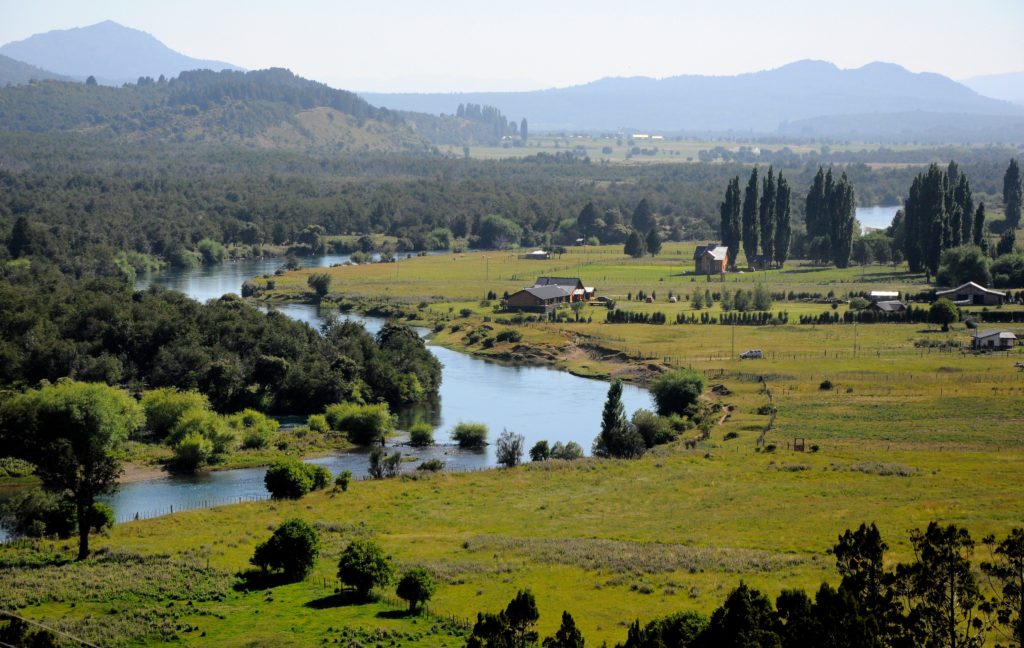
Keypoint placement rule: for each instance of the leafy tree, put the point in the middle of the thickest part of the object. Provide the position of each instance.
(509, 449)
(291, 478)
(680, 629)
(20, 242)
(498, 232)
(676, 391)
(751, 227)
(1008, 271)
(862, 252)
(567, 635)
(1006, 243)
(943, 587)
(416, 586)
(589, 222)
(1007, 570)
(653, 242)
(568, 452)
(343, 480)
(71, 431)
(191, 452)
(618, 437)
(729, 226)
(943, 312)
(208, 424)
(363, 566)
(783, 229)
(165, 405)
(256, 428)
(1012, 194)
(636, 245)
(292, 548)
(320, 282)
(540, 451)
(962, 264)
(654, 429)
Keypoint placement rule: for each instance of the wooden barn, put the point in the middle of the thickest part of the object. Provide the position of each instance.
(972, 294)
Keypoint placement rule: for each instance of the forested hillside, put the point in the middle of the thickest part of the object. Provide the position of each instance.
(267, 108)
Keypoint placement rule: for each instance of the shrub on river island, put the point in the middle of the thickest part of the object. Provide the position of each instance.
(291, 479)
(421, 434)
(363, 424)
(470, 435)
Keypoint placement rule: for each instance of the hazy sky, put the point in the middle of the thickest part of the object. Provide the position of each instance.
(445, 45)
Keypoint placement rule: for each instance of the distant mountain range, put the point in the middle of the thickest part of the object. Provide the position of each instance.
(1008, 87)
(807, 99)
(110, 52)
(759, 102)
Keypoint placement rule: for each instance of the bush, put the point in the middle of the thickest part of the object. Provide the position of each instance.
(192, 452)
(568, 452)
(164, 406)
(676, 391)
(384, 465)
(318, 423)
(655, 429)
(343, 479)
(363, 424)
(255, 428)
(416, 586)
(38, 513)
(421, 434)
(729, 436)
(470, 435)
(509, 451)
(431, 465)
(363, 566)
(540, 451)
(825, 385)
(291, 479)
(320, 282)
(293, 549)
(212, 426)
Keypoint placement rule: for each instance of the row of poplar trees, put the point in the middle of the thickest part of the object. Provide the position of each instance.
(762, 219)
(939, 214)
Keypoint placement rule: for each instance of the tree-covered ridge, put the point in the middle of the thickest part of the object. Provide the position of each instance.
(98, 330)
(201, 105)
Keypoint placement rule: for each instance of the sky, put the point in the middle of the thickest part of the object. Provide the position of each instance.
(463, 45)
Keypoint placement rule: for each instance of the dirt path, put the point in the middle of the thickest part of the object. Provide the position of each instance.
(137, 472)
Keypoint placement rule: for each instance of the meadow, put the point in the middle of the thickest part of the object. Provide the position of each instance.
(910, 429)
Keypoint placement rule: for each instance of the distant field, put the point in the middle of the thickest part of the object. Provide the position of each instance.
(669, 149)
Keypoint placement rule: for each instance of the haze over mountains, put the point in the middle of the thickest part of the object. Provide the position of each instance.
(112, 53)
(805, 99)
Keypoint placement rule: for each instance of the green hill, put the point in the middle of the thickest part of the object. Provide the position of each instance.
(14, 72)
(265, 108)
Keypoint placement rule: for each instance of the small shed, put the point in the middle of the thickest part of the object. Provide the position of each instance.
(994, 340)
(972, 294)
(883, 295)
(536, 255)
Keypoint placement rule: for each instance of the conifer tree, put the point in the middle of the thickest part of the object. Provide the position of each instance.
(643, 217)
(783, 230)
(751, 229)
(1012, 190)
(767, 217)
(653, 242)
(635, 246)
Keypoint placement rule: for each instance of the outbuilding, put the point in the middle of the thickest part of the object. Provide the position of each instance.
(536, 255)
(711, 259)
(994, 340)
(890, 306)
(972, 294)
(537, 299)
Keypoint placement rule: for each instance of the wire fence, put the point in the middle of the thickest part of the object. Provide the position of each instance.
(130, 516)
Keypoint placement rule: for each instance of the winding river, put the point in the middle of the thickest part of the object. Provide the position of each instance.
(537, 402)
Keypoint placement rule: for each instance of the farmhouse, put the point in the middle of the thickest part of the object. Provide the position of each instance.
(537, 299)
(572, 285)
(536, 255)
(711, 259)
(971, 294)
(994, 340)
(888, 306)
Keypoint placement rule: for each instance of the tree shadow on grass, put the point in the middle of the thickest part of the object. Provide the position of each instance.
(256, 580)
(396, 614)
(343, 598)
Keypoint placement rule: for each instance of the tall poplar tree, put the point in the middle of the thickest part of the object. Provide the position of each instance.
(978, 232)
(1012, 194)
(965, 204)
(767, 217)
(523, 130)
(751, 229)
(842, 207)
(815, 207)
(912, 249)
(783, 230)
(935, 220)
(730, 221)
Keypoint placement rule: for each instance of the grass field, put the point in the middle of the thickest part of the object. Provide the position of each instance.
(907, 434)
